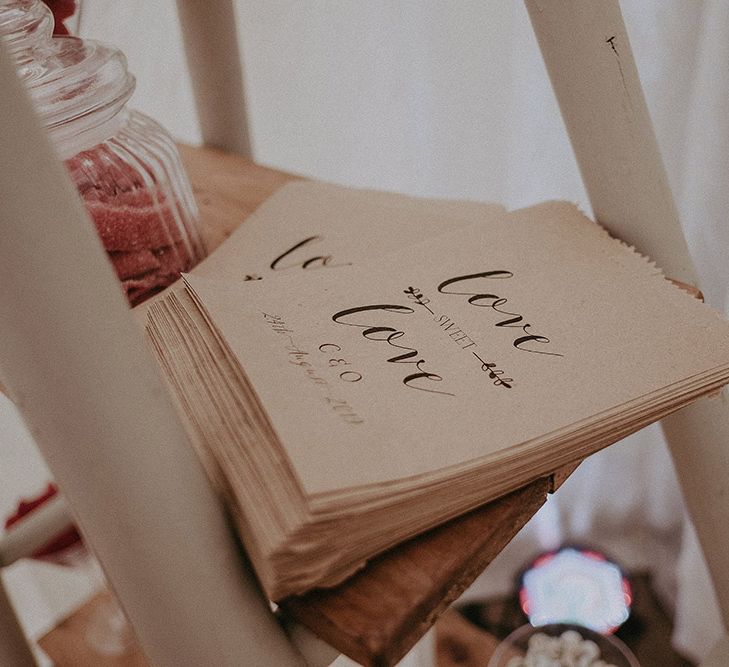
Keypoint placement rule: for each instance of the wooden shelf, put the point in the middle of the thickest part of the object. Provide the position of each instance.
(376, 616)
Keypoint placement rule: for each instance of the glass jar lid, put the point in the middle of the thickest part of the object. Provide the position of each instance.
(24, 24)
(78, 85)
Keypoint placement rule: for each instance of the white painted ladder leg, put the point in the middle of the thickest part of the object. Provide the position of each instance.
(585, 47)
(14, 650)
(215, 66)
(77, 367)
(719, 656)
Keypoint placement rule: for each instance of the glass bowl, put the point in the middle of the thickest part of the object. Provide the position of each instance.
(513, 650)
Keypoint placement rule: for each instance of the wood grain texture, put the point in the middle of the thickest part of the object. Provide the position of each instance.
(560, 476)
(459, 643)
(693, 291)
(377, 615)
(227, 188)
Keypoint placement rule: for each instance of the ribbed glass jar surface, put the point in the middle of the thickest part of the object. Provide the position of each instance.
(135, 189)
(126, 167)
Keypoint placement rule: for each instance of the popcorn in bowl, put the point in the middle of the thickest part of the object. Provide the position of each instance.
(561, 645)
(567, 650)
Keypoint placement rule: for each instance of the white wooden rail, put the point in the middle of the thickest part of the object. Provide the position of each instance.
(588, 56)
(14, 650)
(216, 70)
(75, 364)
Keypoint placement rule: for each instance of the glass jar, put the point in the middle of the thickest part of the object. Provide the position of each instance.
(126, 167)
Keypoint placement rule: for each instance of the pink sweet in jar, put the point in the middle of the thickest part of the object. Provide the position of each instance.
(126, 167)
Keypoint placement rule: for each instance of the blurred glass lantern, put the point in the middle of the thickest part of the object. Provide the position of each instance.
(126, 167)
(579, 586)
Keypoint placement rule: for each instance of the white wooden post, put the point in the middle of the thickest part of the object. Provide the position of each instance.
(215, 66)
(76, 365)
(35, 530)
(719, 656)
(14, 649)
(590, 63)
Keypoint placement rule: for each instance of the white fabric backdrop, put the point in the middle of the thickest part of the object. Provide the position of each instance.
(452, 99)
